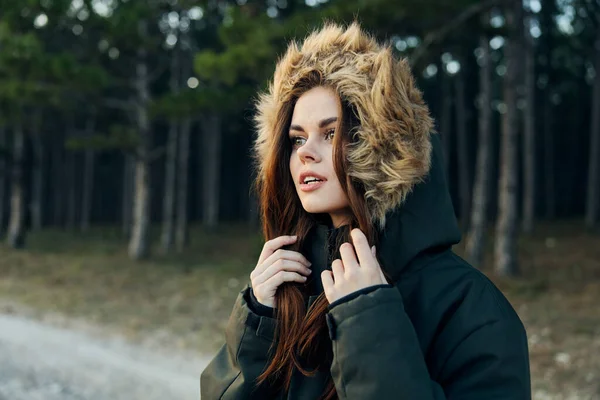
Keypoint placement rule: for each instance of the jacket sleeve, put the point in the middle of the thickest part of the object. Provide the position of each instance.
(232, 373)
(377, 355)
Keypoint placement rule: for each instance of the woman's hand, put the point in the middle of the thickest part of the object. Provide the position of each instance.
(349, 275)
(276, 266)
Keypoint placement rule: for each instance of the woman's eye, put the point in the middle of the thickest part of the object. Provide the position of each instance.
(297, 140)
(329, 134)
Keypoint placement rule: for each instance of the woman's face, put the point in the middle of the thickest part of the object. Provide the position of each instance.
(311, 134)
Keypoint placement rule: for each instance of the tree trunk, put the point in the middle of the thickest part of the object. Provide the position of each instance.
(127, 199)
(506, 227)
(476, 238)
(199, 191)
(71, 190)
(16, 226)
(211, 135)
(37, 192)
(463, 147)
(58, 182)
(88, 179)
(446, 120)
(168, 226)
(182, 185)
(138, 243)
(593, 184)
(529, 153)
(547, 44)
(3, 172)
(549, 162)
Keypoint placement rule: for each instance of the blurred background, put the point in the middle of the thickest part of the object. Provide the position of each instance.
(125, 173)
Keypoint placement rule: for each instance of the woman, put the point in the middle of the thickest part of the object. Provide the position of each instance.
(357, 294)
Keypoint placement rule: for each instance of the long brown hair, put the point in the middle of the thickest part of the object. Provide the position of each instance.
(302, 338)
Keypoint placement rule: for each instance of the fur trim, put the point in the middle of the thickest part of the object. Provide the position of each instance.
(394, 147)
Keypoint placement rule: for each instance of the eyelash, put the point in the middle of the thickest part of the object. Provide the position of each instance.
(327, 133)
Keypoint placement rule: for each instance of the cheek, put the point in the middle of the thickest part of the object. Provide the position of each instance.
(337, 195)
(328, 160)
(340, 197)
(293, 166)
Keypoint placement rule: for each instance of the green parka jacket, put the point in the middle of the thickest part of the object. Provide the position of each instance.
(441, 330)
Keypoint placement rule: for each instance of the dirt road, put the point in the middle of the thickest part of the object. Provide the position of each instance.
(42, 362)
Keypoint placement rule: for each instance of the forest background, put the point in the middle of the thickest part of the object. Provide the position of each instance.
(125, 145)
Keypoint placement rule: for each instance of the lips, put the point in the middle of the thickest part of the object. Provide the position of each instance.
(309, 174)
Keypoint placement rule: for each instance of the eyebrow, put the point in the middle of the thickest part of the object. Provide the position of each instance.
(323, 123)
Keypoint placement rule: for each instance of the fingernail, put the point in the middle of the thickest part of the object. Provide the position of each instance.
(310, 271)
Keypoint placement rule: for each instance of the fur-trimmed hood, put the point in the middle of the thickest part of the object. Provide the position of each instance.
(394, 148)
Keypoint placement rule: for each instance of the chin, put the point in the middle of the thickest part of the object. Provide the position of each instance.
(318, 206)
(314, 206)
(314, 209)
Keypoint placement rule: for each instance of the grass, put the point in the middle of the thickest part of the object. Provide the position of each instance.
(181, 300)
(184, 300)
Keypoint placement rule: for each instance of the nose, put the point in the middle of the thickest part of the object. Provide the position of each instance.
(308, 151)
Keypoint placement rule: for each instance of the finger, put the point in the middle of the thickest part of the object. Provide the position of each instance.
(348, 256)
(361, 246)
(381, 274)
(337, 267)
(282, 265)
(283, 254)
(273, 245)
(283, 276)
(327, 280)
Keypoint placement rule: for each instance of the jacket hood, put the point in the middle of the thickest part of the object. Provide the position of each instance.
(424, 223)
(393, 149)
